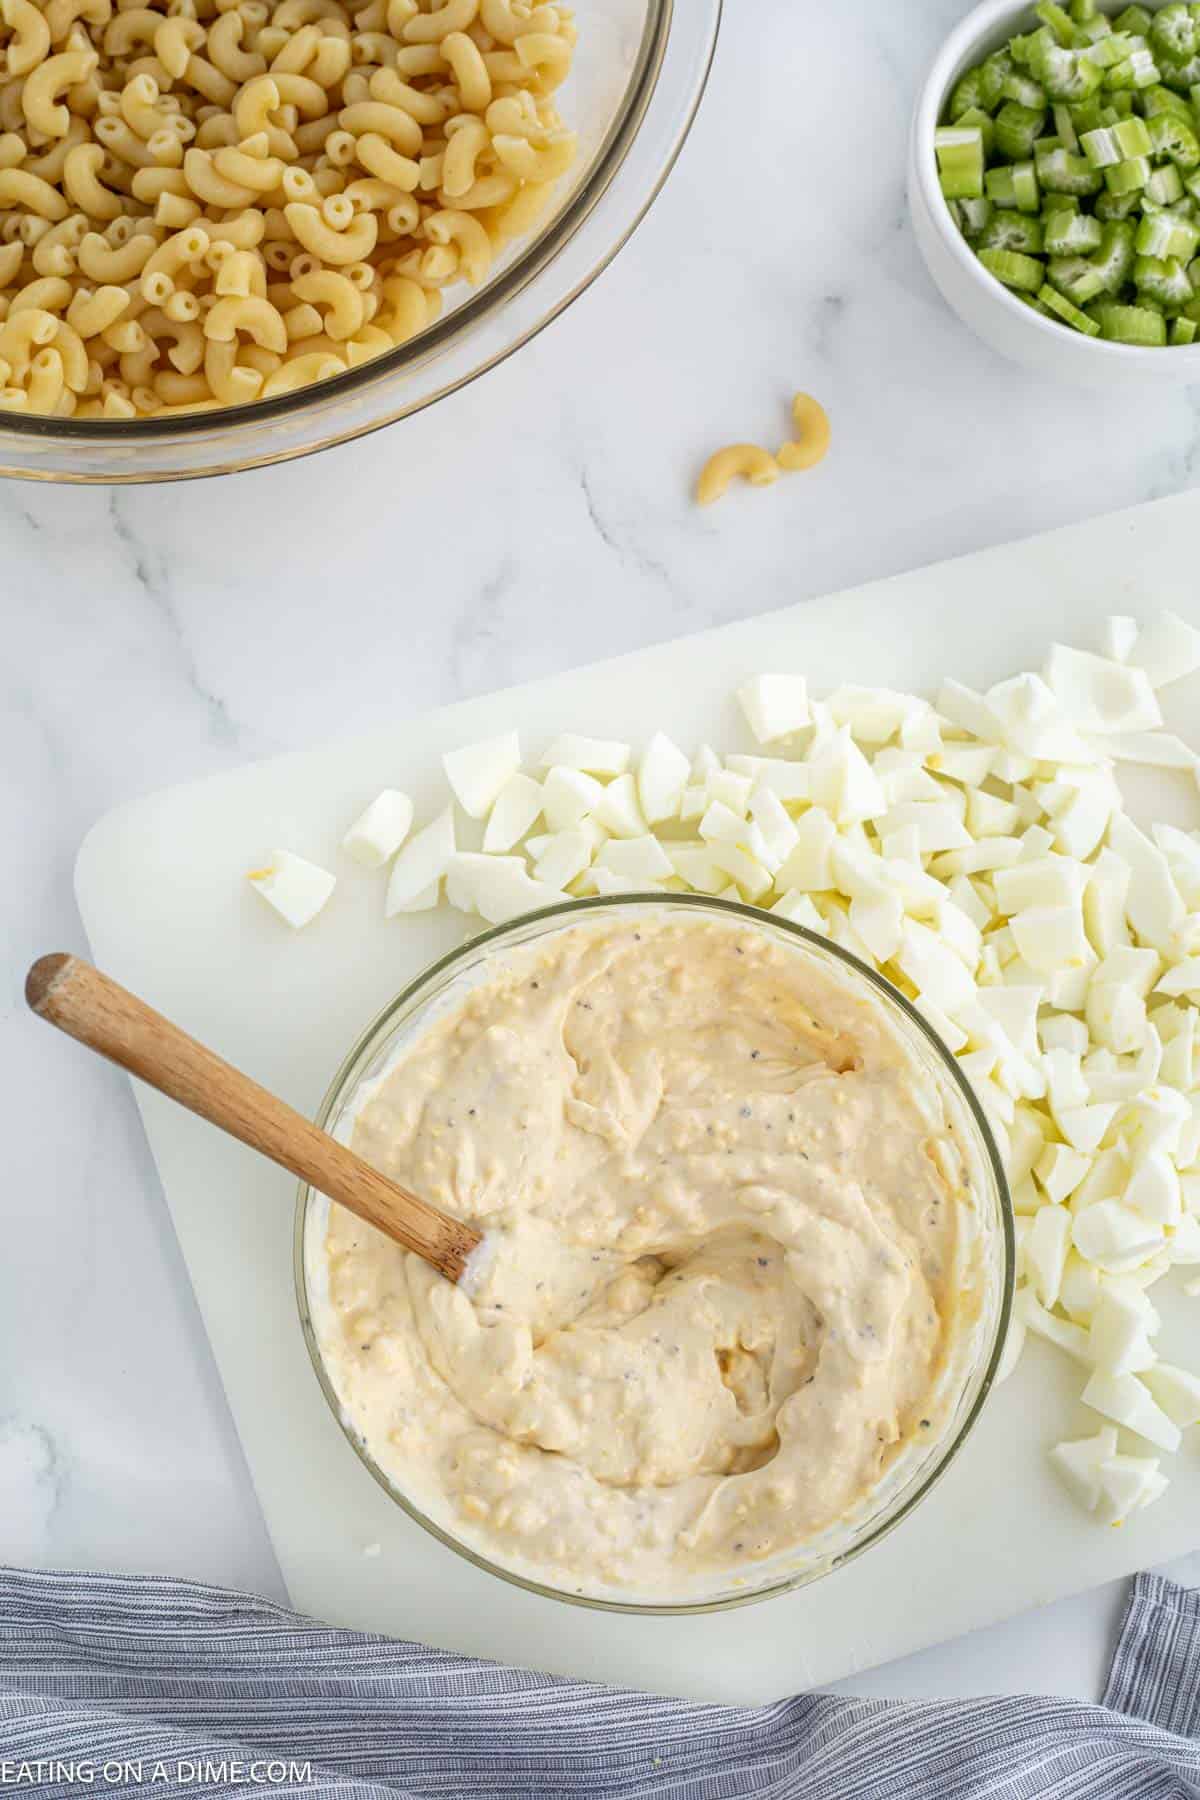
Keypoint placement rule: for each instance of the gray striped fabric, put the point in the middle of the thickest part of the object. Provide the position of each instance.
(124, 1685)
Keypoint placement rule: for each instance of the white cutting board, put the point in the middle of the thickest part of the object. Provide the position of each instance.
(161, 889)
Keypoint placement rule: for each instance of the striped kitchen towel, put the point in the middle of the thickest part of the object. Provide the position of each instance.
(134, 1685)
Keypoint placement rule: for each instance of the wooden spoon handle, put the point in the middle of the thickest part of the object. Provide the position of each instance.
(86, 1005)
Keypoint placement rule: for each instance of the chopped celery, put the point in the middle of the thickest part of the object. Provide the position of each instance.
(1125, 177)
(1166, 234)
(1017, 129)
(1118, 206)
(1070, 161)
(1025, 186)
(967, 95)
(1175, 139)
(1013, 269)
(1165, 186)
(1013, 231)
(975, 215)
(1071, 234)
(1164, 99)
(1070, 314)
(1058, 20)
(1064, 126)
(1063, 173)
(1137, 71)
(960, 160)
(1162, 279)
(1077, 277)
(1130, 324)
(1173, 31)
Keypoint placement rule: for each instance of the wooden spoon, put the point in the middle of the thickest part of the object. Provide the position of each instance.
(86, 1005)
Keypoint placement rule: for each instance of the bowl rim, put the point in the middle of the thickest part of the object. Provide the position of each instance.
(535, 255)
(580, 909)
(980, 23)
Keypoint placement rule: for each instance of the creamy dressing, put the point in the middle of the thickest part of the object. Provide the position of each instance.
(728, 1226)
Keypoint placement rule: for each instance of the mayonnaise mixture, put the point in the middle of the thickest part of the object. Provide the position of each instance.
(729, 1229)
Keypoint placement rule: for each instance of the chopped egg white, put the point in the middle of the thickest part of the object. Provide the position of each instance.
(296, 889)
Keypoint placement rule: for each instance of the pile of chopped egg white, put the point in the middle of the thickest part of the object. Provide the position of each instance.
(977, 852)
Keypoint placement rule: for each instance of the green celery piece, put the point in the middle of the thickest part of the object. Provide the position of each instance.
(1165, 185)
(1128, 176)
(1122, 105)
(1182, 76)
(1026, 191)
(1192, 183)
(1174, 138)
(1014, 270)
(1013, 231)
(1110, 207)
(1031, 301)
(1056, 19)
(1066, 74)
(1064, 309)
(1172, 31)
(1020, 48)
(1084, 11)
(1162, 279)
(1137, 71)
(1062, 173)
(1071, 234)
(976, 213)
(1131, 324)
(1113, 261)
(1093, 30)
(1161, 99)
(986, 125)
(1100, 147)
(1134, 18)
(1064, 126)
(999, 187)
(1024, 89)
(966, 96)
(1067, 203)
(1183, 331)
(1117, 47)
(1133, 137)
(1166, 235)
(959, 151)
(1087, 115)
(992, 75)
(1191, 310)
(1017, 129)
(1077, 277)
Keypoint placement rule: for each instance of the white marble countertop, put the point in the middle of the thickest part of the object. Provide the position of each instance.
(539, 519)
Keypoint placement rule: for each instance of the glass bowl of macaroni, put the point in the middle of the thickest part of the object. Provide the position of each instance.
(978, 1276)
(243, 186)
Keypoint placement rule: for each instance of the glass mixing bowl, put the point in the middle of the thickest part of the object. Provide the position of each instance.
(636, 82)
(970, 1368)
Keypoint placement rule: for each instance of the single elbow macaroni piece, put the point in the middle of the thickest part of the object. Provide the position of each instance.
(81, 178)
(344, 302)
(464, 231)
(18, 188)
(812, 428)
(466, 140)
(31, 36)
(434, 27)
(246, 312)
(336, 247)
(750, 461)
(43, 85)
(470, 71)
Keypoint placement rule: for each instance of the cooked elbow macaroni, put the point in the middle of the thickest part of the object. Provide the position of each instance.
(209, 202)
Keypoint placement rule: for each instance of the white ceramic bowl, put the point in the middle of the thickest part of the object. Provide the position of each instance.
(1005, 323)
